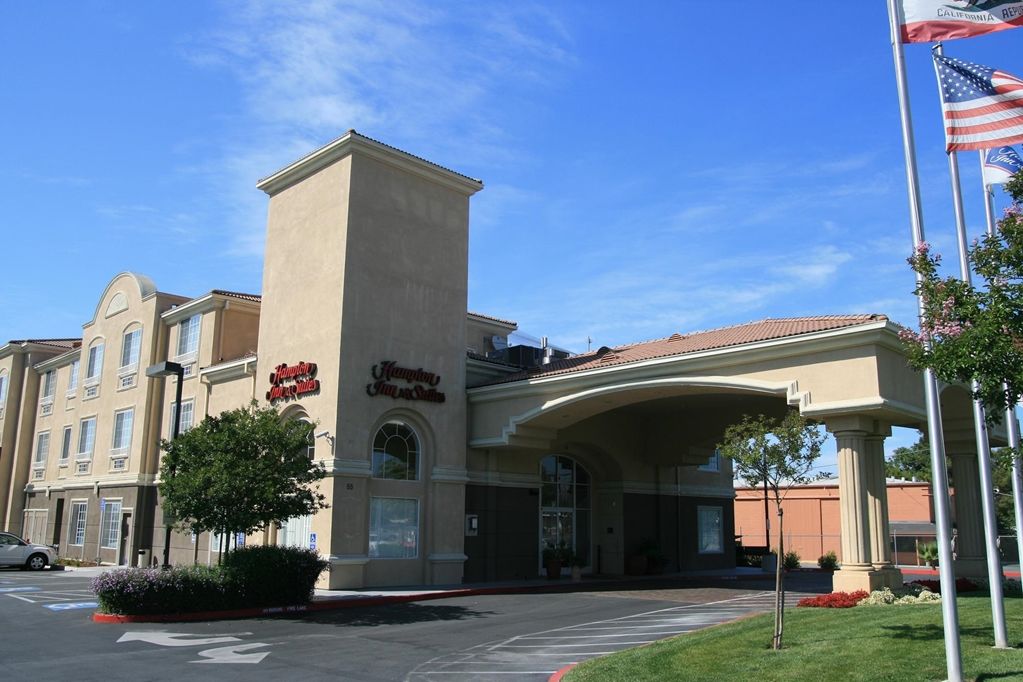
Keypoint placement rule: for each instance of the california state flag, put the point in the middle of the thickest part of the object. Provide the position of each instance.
(926, 21)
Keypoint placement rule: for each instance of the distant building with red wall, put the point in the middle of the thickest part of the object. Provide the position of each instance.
(812, 523)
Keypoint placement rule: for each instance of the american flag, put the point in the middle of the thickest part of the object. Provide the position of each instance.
(983, 107)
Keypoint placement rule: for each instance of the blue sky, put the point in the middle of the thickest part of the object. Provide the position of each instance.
(649, 167)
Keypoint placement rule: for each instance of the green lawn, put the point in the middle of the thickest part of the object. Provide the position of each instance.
(862, 643)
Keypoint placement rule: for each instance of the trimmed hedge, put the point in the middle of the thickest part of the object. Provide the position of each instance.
(249, 577)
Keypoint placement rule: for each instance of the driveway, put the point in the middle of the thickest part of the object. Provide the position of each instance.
(48, 634)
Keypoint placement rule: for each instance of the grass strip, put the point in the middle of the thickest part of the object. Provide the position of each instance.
(863, 643)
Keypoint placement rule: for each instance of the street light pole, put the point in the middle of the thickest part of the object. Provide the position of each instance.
(166, 369)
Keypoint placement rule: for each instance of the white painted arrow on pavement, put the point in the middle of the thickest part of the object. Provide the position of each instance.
(175, 638)
(229, 654)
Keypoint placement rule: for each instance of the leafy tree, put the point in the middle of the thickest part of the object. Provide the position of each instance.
(782, 454)
(976, 333)
(910, 462)
(240, 472)
(1001, 475)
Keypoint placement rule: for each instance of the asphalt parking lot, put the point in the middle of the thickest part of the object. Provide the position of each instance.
(48, 634)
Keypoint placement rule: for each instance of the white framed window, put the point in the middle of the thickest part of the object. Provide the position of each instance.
(95, 364)
(86, 438)
(396, 452)
(76, 529)
(713, 464)
(297, 532)
(188, 336)
(393, 528)
(187, 416)
(49, 385)
(72, 381)
(42, 450)
(65, 446)
(131, 344)
(110, 524)
(3, 391)
(123, 422)
(709, 529)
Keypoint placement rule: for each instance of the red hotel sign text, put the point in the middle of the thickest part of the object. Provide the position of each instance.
(419, 383)
(292, 381)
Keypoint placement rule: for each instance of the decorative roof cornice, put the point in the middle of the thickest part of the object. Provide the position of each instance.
(352, 142)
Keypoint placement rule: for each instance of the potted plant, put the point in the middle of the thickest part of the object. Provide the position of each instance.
(577, 563)
(655, 558)
(554, 559)
(928, 553)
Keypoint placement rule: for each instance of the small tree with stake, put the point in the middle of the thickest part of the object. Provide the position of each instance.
(780, 453)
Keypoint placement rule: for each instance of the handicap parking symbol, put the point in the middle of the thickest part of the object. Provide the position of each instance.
(70, 606)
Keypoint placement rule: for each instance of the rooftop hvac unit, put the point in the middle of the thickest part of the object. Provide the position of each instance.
(500, 342)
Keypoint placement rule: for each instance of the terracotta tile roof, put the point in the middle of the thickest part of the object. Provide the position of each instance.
(65, 344)
(255, 298)
(678, 344)
(511, 323)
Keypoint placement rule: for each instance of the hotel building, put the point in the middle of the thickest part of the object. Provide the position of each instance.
(451, 454)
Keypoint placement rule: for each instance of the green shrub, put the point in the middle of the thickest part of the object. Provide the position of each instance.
(272, 575)
(249, 577)
(828, 561)
(791, 561)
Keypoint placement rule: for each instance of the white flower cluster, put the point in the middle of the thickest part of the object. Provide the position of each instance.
(885, 596)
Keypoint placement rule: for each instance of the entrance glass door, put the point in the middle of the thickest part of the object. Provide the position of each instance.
(565, 507)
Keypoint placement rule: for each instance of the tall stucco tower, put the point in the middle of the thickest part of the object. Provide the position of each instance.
(362, 331)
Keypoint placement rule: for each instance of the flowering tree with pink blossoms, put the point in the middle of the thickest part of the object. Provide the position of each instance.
(975, 333)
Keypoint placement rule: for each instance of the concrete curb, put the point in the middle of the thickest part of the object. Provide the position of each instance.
(556, 677)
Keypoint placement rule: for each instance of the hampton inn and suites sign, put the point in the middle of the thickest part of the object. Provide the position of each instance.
(418, 383)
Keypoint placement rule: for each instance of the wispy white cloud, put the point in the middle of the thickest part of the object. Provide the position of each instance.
(436, 79)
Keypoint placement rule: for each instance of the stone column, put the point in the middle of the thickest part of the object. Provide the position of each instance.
(969, 545)
(854, 476)
(877, 497)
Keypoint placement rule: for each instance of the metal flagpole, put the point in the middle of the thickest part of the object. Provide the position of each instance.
(1011, 423)
(939, 477)
(987, 502)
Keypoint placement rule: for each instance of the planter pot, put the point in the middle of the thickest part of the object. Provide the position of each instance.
(636, 564)
(655, 566)
(770, 563)
(553, 568)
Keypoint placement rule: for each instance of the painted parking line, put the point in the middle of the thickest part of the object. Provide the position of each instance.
(24, 588)
(537, 655)
(39, 597)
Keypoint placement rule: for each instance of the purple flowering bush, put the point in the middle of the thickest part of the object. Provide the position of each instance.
(138, 591)
(249, 577)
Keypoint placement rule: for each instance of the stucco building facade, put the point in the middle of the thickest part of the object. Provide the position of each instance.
(450, 456)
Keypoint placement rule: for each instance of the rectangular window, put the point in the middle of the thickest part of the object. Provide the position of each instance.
(49, 384)
(65, 445)
(76, 529)
(72, 382)
(95, 366)
(708, 521)
(130, 350)
(123, 422)
(188, 335)
(110, 524)
(713, 464)
(86, 438)
(393, 528)
(42, 450)
(187, 417)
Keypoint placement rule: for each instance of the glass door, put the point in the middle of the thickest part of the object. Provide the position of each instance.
(565, 508)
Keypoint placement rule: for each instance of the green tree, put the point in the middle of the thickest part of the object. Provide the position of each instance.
(240, 472)
(1001, 475)
(910, 462)
(976, 333)
(780, 452)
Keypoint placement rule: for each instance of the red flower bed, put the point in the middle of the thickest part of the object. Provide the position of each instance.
(962, 585)
(835, 600)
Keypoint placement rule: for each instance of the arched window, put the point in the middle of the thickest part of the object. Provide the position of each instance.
(396, 452)
(565, 503)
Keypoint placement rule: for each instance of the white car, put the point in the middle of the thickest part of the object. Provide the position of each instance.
(16, 552)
